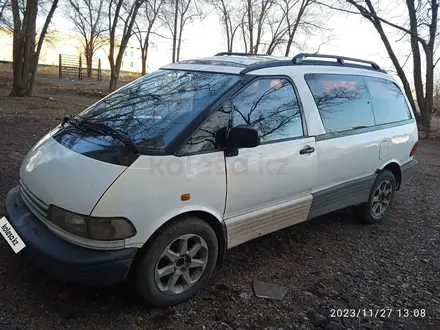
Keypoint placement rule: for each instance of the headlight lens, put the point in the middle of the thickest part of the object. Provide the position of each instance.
(90, 227)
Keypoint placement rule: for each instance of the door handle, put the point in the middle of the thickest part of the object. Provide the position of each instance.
(307, 150)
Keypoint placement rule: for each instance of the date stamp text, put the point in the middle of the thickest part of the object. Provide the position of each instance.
(378, 313)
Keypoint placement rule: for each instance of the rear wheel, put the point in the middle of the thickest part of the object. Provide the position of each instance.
(381, 196)
(177, 262)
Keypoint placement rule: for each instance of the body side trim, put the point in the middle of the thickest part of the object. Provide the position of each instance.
(341, 196)
(252, 225)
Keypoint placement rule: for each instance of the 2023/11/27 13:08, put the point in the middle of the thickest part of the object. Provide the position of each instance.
(378, 313)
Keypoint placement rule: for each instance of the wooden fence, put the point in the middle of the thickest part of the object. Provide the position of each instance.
(76, 66)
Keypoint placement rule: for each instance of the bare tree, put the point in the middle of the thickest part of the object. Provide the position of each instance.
(296, 15)
(87, 17)
(291, 17)
(143, 32)
(182, 12)
(420, 28)
(26, 50)
(4, 4)
(229, 18)
(121, 15)
(255, 22)
(278, 30)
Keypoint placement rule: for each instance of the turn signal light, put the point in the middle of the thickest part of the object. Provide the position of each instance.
(185, 197)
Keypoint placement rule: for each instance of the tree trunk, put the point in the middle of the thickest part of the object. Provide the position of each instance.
(144, 65)
(18, 42)
(303, 7)
(116, 68)
(144, 61)
(29, 45)
(113, 82)
(88, 49)
(226, 19)
(243, 32)
(145, 51)
(179, 41)
(114, 75)
(23, 56)
(89, 60)
(250, 26)
(36, 56)
(176, 11)
(429, 96)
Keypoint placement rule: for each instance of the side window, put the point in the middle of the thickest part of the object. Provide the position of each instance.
(342, 100)
(204, 138)
(389, 104)
(271, 106)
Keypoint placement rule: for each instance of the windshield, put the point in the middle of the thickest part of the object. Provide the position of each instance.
(154, 109)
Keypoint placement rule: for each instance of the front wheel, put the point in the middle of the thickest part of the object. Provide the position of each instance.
(177, 262)
(381, 196)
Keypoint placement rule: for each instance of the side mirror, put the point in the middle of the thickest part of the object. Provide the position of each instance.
(243, 136)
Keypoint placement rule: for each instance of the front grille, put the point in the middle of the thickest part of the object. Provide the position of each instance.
(35, 205)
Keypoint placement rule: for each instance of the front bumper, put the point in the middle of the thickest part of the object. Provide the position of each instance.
(60, 258)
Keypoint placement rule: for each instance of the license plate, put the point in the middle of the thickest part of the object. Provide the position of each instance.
(11, 236)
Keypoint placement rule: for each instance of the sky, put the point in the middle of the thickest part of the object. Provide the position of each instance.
(352, 36)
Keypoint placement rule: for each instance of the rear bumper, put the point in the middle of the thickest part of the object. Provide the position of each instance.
(409, 169)
(60, 258)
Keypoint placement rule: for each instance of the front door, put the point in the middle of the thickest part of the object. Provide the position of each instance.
(269, 187)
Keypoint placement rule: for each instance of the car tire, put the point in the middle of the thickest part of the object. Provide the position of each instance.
(380, 199)
(177, 262)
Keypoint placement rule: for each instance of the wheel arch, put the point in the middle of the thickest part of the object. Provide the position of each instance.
(394, 167)
(216, 224)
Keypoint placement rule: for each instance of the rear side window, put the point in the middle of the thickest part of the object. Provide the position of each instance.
(271, 106)
(389, 104)
(342, 100)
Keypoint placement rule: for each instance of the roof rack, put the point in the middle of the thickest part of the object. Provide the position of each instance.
(238, 54)
(301, 59)
(341, 60)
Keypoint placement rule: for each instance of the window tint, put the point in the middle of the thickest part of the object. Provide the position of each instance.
(156, 108)
(204, 138)
(271, 106)
(389, 104)
(342, 100)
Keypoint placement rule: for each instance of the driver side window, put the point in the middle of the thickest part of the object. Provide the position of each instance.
(270, 105)
(204, 138)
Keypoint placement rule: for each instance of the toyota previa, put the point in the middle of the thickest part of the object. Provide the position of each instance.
(155, 182)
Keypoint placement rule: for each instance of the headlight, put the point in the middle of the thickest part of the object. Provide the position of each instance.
(90, 227)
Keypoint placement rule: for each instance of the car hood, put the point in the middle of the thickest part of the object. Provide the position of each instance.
(59, 176)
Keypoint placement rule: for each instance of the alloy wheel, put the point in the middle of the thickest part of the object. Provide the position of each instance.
(381, 198)
(181, 264)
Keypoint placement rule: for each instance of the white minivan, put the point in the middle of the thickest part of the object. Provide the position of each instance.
(155, 182)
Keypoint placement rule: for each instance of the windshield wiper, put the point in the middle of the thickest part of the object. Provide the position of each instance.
(72, 120)
(101, 129)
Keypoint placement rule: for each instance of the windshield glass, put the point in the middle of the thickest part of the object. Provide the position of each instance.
(154, 109)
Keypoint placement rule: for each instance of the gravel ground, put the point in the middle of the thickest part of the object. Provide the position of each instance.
(328, 263)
